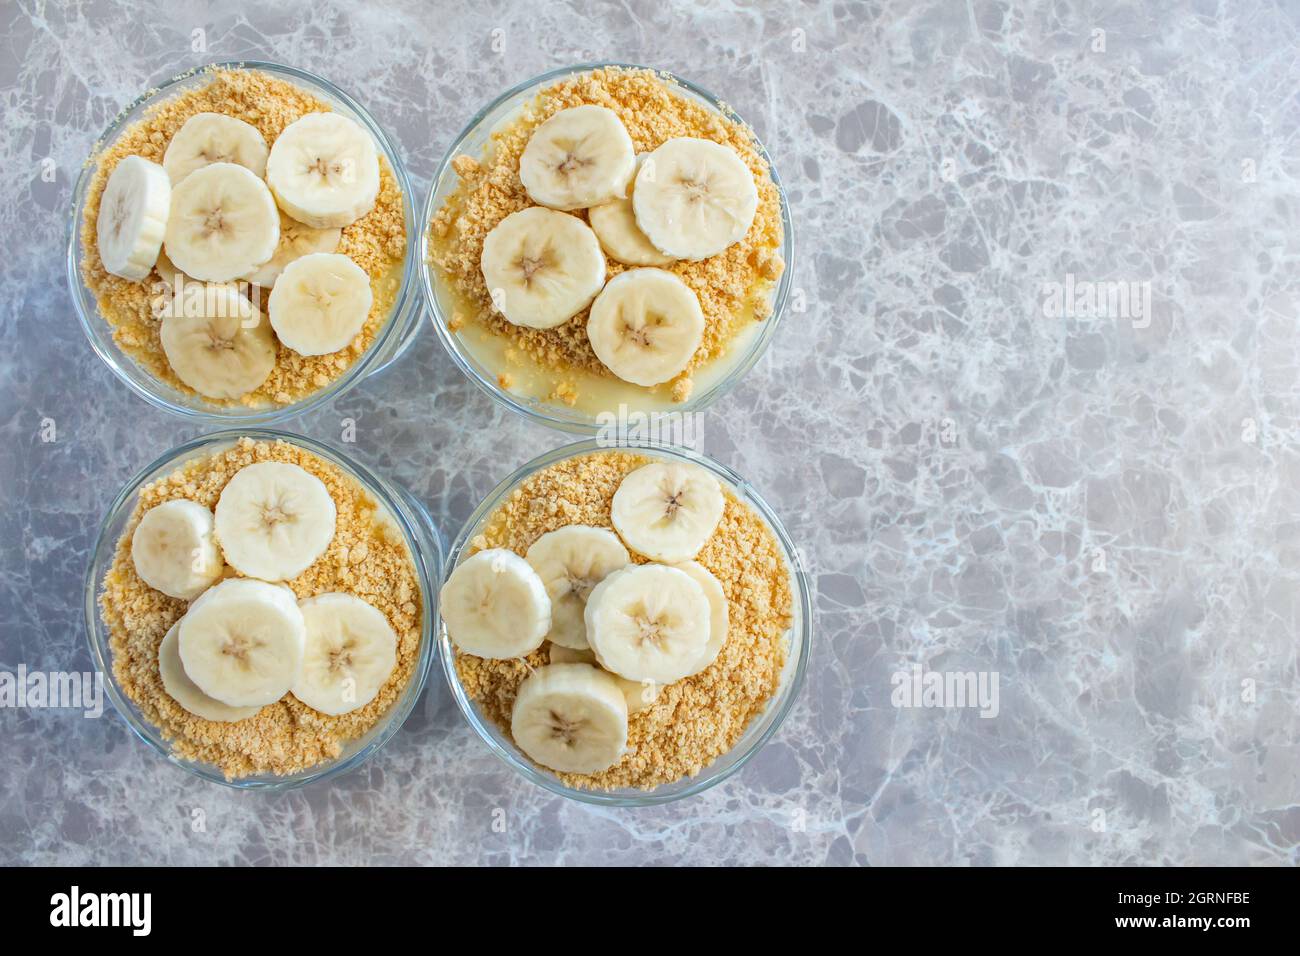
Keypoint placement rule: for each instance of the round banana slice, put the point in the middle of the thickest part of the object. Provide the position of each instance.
(296, 240)
(693, 198)
(216, 341)
(719, 611)
(350, 654)
(615, 226)
(320, 303)
(274, 520)
(637, 694)
(324, 170)
(132, 221)
(542, 267)
(648, 622)
(173, 550)
(645, 326)
(667, 510)
(242, 642)
(580, 157)
(185, 692)
(495, 605)
(208, 138)
(571, 718)
(223, 223)
(571, 561)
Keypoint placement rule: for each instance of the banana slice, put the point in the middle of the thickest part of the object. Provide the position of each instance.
(185, 692)
(648, 622)
(542, 267)
(351, 652)
(571, 561)
(165, 269)
(242, 642)
(571, 718)
(296, 240)
(208, 138)
(645, 326)
(667, 510)
(615, 226)
(579, 157)
(623, 241)
(132, 222)
(693, 198)
(223, 223)
(638, 695)
(173, 549)
(216, 341)
(719, 611)
(496, 606)
(274, 520)
(163, 300)
(320, 303)
(324, 170)
(559, 654)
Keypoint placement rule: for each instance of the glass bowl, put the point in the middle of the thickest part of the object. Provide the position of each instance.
(392, 340)
(726, 371)
(422, 539)
(760, 729)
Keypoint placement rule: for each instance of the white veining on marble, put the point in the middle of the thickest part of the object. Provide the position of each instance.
(1104, 511)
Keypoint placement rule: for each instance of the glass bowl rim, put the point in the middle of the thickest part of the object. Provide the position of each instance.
(783, 702)
(756, 349)
(419, 531)
(402, 324)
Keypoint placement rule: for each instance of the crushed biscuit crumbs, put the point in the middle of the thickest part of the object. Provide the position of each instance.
(697, 719)
(367, 558)
(376, 242)
(734, 287)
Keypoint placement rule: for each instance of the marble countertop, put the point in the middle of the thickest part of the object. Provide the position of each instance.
(1097, 509)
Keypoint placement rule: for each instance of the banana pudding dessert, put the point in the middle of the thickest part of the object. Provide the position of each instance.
(618, 242)
(244, 241)
(621, 618)
(263, 609)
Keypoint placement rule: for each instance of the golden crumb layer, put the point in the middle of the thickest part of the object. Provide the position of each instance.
(695, 720)
(367, 558)
(733, 287)
(376, 242)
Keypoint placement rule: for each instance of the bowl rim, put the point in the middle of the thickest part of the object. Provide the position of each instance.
(422, 538)
(393, 339)
(783, 702)
(534, 411)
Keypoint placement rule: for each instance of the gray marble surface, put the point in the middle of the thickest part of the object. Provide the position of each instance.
(1100, 510)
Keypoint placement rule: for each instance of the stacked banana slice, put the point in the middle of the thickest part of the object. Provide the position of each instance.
(225, 216)
(689, 199)
(618, 631)
(245, 642)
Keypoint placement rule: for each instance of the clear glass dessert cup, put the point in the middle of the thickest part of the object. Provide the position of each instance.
(472, 142)
(761, 727)
(390, 343)
(422, 540)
